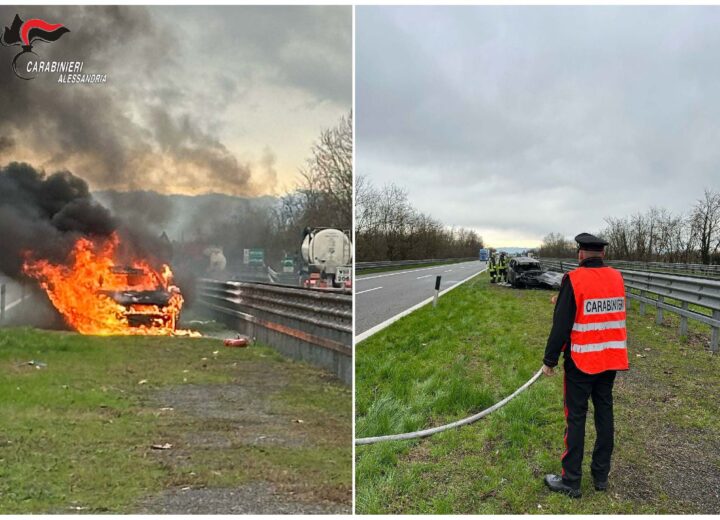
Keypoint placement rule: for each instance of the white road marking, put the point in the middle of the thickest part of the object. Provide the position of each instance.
(390, 321)
(400, 271)
(368, 290)
(421, 277)
(16, 302)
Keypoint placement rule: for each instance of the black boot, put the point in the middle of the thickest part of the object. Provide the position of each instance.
(555, 483)
(600, 485)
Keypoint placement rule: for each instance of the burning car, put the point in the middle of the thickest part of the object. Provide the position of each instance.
(142, 294)
(96, 294)
(526, 272)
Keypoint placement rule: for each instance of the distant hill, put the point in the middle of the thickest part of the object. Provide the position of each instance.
(179, 214)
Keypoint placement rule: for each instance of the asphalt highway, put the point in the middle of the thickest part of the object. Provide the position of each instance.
(381, 296)
(13, 292)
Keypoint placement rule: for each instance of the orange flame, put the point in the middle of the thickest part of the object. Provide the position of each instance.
(97, 296)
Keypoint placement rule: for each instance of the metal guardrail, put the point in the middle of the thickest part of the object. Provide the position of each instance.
(306, 324)
(702, 293)
(712, 271)
(360, 266)
(560, 266)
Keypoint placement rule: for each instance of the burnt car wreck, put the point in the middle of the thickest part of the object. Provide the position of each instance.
(142, 295)
(527, 273)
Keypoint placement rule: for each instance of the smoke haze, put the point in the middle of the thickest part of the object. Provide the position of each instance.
(178, 114)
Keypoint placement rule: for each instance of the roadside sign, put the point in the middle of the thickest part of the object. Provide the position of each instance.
(256, 256)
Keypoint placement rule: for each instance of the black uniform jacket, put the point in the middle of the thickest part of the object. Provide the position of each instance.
(564, 317)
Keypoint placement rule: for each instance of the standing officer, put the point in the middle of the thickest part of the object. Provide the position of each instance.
(589, 326)
(492, 267)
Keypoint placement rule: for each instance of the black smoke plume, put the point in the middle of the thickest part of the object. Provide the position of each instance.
(89, 129)
(46, 214)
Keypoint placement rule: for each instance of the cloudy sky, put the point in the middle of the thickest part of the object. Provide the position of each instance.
(198, 99)
(521, 121)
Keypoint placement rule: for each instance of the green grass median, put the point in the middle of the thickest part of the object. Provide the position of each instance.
(480, 344)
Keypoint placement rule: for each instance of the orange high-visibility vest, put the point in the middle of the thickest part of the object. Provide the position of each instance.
(598, 340)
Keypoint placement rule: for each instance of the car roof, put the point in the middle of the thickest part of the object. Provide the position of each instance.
(526, 260)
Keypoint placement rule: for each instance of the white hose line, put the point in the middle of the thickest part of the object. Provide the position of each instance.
(461, 422)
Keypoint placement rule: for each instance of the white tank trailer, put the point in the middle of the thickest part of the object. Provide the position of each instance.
(328, 253)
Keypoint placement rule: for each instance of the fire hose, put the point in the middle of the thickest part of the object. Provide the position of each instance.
(462, 422)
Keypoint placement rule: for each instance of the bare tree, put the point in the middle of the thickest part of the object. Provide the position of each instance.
(555, 245)
(388, 227)
(327, 179)
(706, 224)
(660, 235)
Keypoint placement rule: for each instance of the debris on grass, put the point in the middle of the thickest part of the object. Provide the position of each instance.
(165, 446)
(239, 341)
(34, 363)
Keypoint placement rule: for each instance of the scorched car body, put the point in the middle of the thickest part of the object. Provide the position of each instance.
(526, 272)
(142, 294)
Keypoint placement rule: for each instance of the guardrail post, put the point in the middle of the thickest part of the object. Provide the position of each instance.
(2, 302)
(642, 303)
(715, 333)
(659, 314)
(684, 321)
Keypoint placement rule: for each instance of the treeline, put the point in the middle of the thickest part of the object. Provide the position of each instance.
(322, 198)
(657, 235)
(324, 194)
(387, 227)
(555, 245)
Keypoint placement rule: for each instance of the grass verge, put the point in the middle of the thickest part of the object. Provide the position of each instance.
(77, 433)
(479, 345)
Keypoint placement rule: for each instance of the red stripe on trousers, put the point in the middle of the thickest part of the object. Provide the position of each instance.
(566, 421)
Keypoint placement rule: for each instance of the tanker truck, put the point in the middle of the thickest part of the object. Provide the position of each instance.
(327, 253)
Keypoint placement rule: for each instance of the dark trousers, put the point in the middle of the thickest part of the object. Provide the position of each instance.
(579, 387)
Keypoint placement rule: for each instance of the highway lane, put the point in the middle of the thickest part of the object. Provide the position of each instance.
(13, 292)
(381, 296)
